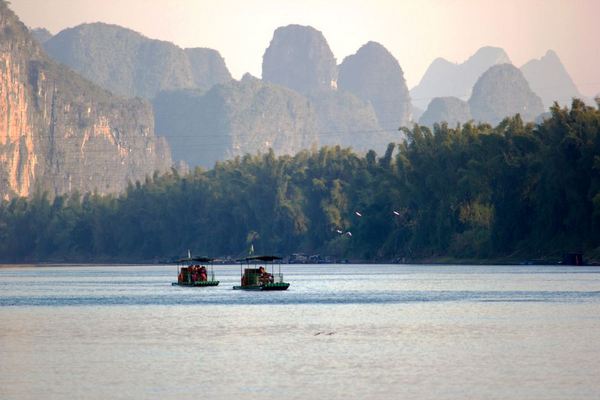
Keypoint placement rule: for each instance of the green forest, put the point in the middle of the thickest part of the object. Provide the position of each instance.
(470, 192)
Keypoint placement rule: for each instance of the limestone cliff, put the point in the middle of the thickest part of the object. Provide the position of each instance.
(299, 58)
(59, 132)
(446, 109)
(41, 34)
(130, 64)
(233, 119)
(502, 91)
(207, 66)
(550, 80)
(374, 75)
(346, 120)
(443, 78)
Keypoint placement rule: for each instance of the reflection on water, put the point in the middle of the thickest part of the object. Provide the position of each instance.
(360, 332)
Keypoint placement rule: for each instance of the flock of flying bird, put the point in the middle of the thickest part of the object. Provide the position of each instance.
(359, 214)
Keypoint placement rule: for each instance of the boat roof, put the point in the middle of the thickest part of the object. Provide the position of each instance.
(197, 259)
(260, 258)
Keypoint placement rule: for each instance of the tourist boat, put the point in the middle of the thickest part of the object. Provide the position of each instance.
(255, 276)
(195, 274)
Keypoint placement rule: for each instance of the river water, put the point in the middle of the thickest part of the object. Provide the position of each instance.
(339, 332)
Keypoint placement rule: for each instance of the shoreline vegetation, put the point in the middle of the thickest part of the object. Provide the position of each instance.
(593, 261)
(515, 193)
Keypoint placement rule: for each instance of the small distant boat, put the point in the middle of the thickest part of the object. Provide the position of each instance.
(255, 276)
(195, 274)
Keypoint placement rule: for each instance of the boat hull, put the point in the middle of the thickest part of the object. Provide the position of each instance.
(266, 287)
(196, 284)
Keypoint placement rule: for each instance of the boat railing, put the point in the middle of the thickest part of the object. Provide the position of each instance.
(278, 278)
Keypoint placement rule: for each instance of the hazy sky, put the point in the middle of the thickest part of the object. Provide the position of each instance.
(415, 31)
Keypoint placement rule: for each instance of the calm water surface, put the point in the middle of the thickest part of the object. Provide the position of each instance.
(339, 332)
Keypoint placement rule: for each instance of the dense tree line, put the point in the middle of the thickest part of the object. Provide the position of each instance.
(471, 191)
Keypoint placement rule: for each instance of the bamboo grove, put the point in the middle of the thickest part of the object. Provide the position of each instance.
(477, 192)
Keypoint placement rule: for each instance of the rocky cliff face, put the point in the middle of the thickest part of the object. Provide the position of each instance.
(503, 91)
(445, 79)
(60, 133)
(233, 119)
(550, 80)
(129, 64)
(299, 58)
(345, 120)
(374, 75)
(208, 67)
(363, 109)
(42, 35)
(446, 109)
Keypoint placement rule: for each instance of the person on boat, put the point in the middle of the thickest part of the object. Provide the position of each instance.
(203, 275)
(180, 277)
(265, 277)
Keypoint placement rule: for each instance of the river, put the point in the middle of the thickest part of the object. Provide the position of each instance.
(339, 332)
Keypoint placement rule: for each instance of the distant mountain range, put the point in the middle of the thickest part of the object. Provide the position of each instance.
(304, 98)
(364, 112)
(297, 107)
(502, 90)
(546, 77)
(446, 79)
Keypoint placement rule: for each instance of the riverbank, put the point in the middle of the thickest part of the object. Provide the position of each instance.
(592, 260)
